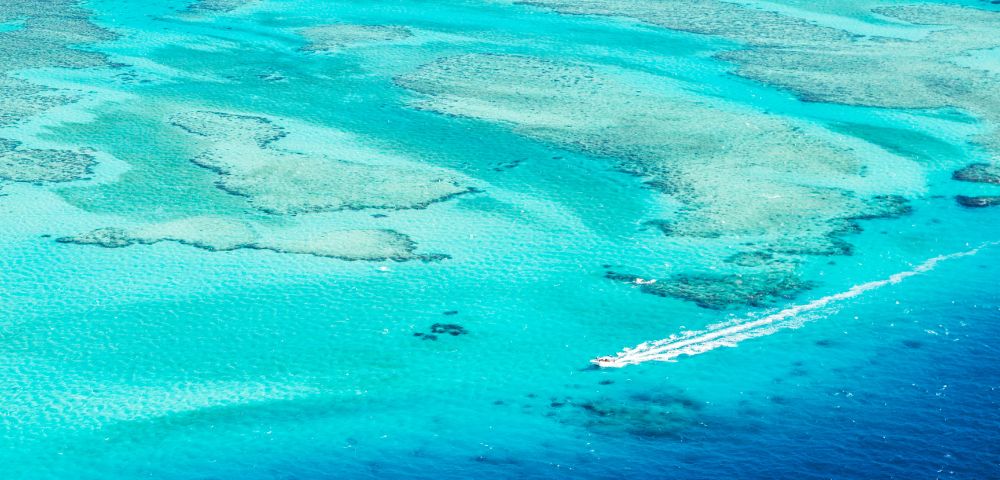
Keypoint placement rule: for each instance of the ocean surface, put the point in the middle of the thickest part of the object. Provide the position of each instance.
(290, 239)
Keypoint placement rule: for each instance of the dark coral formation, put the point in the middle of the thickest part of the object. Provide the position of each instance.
(721, 291)
(449, 329)
(885, 206)
(978, 173)
(656, 415)
(977, 202)
(108, 237)
(510, 164)
(452, 329)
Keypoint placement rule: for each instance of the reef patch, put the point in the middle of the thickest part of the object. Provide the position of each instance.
(42, 165)
(721, 291)
(240, 129)
(658, 415)
(452, 329)
(218, 234)
(978, 202)
(243, 150)
(49, 35)
(439, 329)
(978, 173)
(327, 38)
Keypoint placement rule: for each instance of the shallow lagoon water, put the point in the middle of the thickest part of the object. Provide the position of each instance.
(194, 349)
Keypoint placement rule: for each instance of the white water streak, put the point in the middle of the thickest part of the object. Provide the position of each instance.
(728, 334)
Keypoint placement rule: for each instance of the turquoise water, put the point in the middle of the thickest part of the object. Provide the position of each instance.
(330, 239)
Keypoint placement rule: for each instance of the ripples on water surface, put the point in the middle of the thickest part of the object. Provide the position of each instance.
(325, 239)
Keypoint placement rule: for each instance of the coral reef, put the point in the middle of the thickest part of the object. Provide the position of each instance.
(978, 173)
(977, 202)
(242, 149)
(49, 34)
(721, 291)
(223, 234)
(437, 329)
(338, 36)
(42, 165)
(821, 63)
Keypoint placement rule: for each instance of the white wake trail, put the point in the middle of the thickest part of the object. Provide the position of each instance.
(728, 334)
